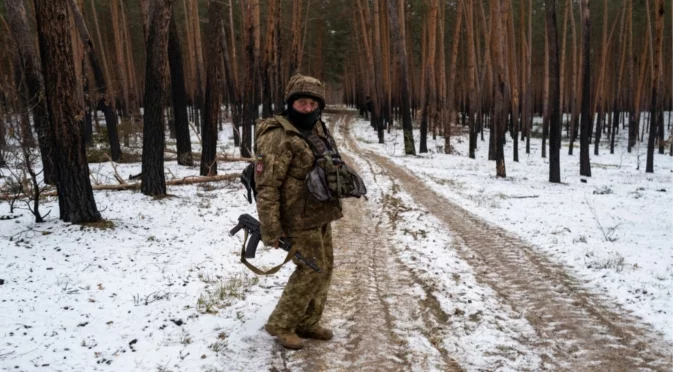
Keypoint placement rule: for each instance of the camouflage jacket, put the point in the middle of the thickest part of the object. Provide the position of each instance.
(283, 160)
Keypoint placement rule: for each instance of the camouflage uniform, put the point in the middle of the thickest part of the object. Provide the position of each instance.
(285, 208)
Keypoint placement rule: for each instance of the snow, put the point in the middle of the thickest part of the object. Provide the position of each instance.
(614, 231)
(164, 288)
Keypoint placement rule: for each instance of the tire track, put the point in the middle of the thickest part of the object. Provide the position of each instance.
(372, 305)
(581, 329)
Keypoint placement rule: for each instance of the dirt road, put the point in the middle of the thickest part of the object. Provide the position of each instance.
(377, 304)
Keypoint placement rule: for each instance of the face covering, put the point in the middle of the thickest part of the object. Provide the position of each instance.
(303, 121)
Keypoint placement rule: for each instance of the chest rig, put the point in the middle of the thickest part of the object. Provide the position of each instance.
(330, 177)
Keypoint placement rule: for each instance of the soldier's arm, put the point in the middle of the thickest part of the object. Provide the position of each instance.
(273, 160)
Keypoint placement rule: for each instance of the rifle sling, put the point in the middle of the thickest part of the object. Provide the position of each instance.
(272, 270)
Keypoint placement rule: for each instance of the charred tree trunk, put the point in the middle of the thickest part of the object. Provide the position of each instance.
(212, 106)
(183, 139)
(66, 112)
(554, 89)
(585, 165)
(18, 24)
(156, 76)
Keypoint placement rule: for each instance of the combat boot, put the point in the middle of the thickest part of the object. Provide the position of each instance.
(318, 333)
(287, 339)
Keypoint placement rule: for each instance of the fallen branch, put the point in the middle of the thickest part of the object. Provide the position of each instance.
(114, 167)
(136, 185)
(220, 157)
(523, 197)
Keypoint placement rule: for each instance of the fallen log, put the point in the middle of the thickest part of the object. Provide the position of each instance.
(136, 185)
(220, 157)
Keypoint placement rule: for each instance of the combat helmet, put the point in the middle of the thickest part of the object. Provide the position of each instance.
(301, 85)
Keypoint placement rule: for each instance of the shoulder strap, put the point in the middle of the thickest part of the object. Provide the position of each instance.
(272, 270)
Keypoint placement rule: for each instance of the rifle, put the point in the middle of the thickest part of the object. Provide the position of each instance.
(252, 229)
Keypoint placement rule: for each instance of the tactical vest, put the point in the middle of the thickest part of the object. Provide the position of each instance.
(330, 177)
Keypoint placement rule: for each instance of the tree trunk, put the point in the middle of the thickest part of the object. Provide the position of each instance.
(657, 84)
(249, 105)
(574, 113)
(585, 165)
(103, 100)
(554, 99)
(212, 107)
(452, 78)
(429, 81)
(267, 69)
(395, 17)
(500, 88)
(545, 92)
(66, 112)
(156, 76)
(18, 24)
(471, 75)
(183, 138)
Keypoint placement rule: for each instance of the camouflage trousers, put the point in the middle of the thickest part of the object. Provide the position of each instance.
(303, 300)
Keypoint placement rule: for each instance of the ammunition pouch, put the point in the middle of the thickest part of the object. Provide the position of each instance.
(332, 179)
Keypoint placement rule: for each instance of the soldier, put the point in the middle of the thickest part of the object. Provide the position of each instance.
(287, 209)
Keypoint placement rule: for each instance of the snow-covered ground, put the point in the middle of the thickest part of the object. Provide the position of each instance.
(613, 230)
(163, 288)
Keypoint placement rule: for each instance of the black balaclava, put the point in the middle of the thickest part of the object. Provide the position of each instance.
(304, 122)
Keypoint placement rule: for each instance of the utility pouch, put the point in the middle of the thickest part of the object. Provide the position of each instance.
(332, 179)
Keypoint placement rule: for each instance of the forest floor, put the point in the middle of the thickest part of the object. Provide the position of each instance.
(433, 272)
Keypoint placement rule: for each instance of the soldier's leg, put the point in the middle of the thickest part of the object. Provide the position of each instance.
(301, 287)
(316, 306)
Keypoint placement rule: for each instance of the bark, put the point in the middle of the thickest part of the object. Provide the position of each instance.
(212, 106)
(395, 17)
(554, 99)
(585, 165)
(179, 95)
(102, 99)
(18, 24)
(66, 112)
(156, 76)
